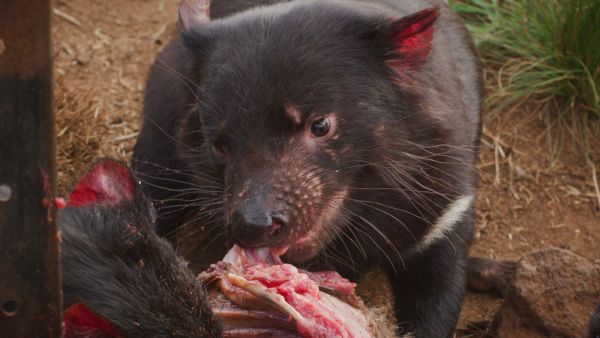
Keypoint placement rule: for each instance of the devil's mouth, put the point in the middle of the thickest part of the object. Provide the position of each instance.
(299, 250)
(303, 249)
(309, 244)
(304, 239)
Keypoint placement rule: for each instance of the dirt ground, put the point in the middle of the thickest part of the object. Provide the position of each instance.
(102, 53)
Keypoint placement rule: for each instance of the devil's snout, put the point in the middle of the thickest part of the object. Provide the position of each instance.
(272, 207)
(256, 224)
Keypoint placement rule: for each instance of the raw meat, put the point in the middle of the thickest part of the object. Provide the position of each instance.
(257, 279)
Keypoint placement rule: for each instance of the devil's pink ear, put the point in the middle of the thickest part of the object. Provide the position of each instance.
(108, 182)
(193, 13)
(412, 38)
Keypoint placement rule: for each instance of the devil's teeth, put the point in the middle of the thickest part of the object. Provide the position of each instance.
(303, 239)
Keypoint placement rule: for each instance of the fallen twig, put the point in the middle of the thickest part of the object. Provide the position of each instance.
(66, 16)
(125, 137)
(595, 180)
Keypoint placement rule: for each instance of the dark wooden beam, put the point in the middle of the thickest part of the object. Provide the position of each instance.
(30, 286)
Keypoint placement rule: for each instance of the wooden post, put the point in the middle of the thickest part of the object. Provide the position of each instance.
(30, 286)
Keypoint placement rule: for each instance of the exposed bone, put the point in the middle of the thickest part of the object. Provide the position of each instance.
(262, 292)
(257, 332)
(253, 318)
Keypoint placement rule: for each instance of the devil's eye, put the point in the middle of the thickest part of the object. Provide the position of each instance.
(320, 127)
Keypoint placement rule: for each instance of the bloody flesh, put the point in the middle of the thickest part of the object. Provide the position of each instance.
(258, 279)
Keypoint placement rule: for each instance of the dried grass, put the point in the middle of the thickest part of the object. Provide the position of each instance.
(79, 132)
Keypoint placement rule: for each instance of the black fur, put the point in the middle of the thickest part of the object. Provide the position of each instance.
(406, 145)
(594, 324)
(115, 264)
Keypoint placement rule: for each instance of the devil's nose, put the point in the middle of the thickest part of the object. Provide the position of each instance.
(255, 227)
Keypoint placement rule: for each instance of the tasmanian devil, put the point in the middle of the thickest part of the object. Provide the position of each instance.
(344, 132)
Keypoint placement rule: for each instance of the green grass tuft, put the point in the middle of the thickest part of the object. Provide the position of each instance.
(542, 50)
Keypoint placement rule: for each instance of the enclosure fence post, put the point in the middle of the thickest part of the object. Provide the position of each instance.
(30, 285)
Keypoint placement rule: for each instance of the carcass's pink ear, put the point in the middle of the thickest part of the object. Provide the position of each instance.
(108, 182)
(80, 321)
(193, 13)
(412, 37)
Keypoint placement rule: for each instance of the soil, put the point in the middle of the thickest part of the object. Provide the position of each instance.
(526, 202)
